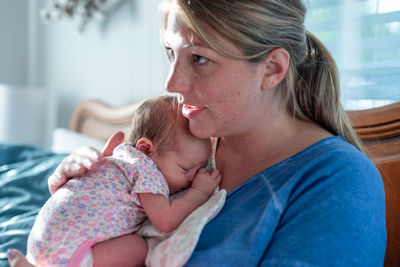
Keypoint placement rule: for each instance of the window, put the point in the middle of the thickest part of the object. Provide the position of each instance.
(364, 39)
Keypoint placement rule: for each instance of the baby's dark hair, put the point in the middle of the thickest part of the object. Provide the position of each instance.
(158, 119)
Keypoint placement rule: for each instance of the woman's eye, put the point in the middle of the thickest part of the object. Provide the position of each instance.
(199, 59)
(170, 53)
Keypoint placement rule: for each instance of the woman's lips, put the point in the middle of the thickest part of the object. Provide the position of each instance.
(189, 111)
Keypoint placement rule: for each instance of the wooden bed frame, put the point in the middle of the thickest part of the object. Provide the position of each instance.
(378, 128)
(99, 120)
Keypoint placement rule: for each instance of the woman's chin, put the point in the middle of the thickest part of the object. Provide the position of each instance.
(199, 131)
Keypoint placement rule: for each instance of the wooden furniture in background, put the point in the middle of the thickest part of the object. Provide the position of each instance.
(99, 120)
(378, 128)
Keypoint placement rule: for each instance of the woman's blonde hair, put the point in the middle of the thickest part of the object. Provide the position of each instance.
(310, 88)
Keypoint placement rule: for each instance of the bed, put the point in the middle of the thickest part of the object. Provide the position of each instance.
(24, 169)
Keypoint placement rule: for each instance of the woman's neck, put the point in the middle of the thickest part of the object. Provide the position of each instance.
(263, 146)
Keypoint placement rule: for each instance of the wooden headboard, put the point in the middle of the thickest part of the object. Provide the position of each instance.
(378, 128)
(96, 119)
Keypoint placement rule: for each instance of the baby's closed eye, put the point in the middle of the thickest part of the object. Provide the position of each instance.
(184, 169)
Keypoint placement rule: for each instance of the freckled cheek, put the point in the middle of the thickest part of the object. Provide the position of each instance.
(227, 112)
(223, 98)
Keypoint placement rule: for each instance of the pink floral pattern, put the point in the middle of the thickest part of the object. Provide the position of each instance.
(174, 250)
(99, 206)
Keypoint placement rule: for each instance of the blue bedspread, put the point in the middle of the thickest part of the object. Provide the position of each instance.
(23, 190)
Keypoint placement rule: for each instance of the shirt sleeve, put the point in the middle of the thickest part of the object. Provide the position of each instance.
(150, 180)
(338, 220)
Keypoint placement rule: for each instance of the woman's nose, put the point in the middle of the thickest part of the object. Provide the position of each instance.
(178, 80)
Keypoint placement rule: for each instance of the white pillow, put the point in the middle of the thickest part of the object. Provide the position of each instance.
(66, 141)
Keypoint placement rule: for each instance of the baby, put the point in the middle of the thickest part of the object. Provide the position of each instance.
(160, 158)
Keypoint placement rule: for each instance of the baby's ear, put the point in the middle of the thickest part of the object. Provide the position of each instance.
(145, 145)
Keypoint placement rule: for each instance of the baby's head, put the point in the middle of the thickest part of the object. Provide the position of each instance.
(161, 132)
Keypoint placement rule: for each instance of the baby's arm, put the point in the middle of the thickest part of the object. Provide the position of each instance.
(167, 215)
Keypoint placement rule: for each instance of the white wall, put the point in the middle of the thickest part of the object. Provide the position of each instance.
(118, 60)
(13, 42)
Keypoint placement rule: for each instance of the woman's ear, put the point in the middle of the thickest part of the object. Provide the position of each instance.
(276, 65)
(145, 145)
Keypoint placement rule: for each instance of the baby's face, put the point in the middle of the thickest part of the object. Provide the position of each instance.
(179, 166)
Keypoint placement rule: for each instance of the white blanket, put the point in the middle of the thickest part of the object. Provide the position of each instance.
(175, 249)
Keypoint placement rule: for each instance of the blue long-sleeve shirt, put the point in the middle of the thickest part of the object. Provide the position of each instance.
(324, 206)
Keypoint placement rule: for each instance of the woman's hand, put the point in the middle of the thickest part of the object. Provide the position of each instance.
(80, 161)
(17, 259)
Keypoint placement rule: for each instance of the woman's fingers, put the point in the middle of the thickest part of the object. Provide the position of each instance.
(55, 181)
(17, 259)
(112, 143)
(85, 153)
(82, 160)
(74, 165)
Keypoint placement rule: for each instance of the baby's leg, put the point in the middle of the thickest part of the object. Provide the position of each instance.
(127, 250)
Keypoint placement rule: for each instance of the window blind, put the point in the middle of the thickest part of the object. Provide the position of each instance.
(364, 39)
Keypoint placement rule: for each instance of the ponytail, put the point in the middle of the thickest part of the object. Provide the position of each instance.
(316, 92)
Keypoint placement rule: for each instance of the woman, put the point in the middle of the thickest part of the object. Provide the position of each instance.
(300, 192)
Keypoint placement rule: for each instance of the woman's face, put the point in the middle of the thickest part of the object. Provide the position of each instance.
(221, 96)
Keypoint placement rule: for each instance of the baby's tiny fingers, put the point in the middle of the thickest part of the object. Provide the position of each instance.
(201, 170)
(219, 178)
(215, 173)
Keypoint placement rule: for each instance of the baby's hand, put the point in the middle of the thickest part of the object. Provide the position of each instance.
(206, 182)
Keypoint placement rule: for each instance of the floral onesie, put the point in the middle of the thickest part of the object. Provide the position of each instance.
(102, 205)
